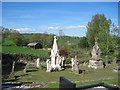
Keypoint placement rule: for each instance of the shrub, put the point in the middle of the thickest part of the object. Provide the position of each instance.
(83, 43)
(63, 53)
(67, 61)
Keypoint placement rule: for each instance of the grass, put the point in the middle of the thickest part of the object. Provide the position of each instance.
(8, 42)
(43, 76)
(63, 41)
(109, 82)
(16, 49)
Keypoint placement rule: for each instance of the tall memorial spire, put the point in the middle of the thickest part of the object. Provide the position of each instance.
(55, 59)
(55, 47)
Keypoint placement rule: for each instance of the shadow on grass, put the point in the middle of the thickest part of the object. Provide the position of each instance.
(14, 79)
(11, 80)
(17, 76)
(67, 66)
(30, 70)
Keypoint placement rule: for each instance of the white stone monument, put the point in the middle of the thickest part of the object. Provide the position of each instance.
(49, 68)
(75, 67)
(96, 62)
(72, 60)
(38, 63)
(55, 59)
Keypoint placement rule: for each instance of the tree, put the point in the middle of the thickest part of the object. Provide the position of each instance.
(83, 43)
(16, 38)
(100, 27)
(15, 58)
(99, 24)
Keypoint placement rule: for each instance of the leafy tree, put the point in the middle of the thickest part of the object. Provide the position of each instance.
(100, 27)
(97, 27)
(83, 43)
(25, 41)
(36, 38)
(16, 38)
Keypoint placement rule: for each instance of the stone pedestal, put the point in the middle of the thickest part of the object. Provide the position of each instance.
(96, 64)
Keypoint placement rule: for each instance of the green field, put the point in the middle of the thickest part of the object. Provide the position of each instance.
(109, 82)
(16, 49)
(64, 40)
(101, 75)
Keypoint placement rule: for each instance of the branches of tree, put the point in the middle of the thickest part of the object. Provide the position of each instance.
(100, 27)
(15, 36)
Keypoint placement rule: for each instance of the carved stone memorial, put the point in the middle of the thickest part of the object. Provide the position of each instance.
(96, 62)
(56, 61)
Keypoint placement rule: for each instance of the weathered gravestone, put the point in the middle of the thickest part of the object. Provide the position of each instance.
(75, 67)
(38, 63)
(49, 68)
(112, 65)
(95, 61)
(106, 60)
(114, 62)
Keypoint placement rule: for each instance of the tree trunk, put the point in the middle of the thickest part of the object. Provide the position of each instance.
(26, 67)
(12, 73)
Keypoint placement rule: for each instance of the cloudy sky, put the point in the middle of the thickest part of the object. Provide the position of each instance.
(50, 17)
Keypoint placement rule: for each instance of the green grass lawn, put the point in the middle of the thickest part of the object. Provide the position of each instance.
(109, 82)
(100, 75)
(16, 49)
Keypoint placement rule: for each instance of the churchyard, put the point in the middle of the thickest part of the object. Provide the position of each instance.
(82, 60)
(47, 74)
(51, 79)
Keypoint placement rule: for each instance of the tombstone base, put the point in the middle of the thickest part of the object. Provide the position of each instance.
(96, 64)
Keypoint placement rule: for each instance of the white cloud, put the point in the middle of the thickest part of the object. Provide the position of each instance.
(53, 28)
(75, 27)
(68, 27)
(26, 29)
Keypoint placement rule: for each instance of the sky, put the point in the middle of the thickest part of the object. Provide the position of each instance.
(70, 17)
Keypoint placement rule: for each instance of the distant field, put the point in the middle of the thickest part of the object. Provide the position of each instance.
(63, 41)
(16, 49)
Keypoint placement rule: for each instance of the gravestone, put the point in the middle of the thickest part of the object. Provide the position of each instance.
(49, 68)
(72, 61)
(114, 62)
(38, 63)
(95, 61)
(106, 60)
(75, 67)
(62, 61)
